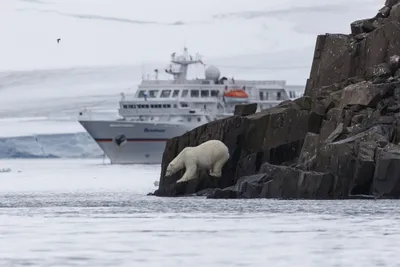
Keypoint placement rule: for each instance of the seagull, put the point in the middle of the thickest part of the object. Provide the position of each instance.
(58, 40)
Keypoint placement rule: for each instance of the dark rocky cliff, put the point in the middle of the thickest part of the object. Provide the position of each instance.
(340, 140)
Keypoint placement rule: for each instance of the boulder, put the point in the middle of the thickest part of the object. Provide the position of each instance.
(315, 185)
(364, 169)
(326, 129)
(386, 181)
(283, 181)
(251, 186)
(225, 193)
(384, 12)
(391, 3)
(379, 72)
(334, 60)
(288, 183)
(303, 102)
(362, 26)
(395, 12)
(245, 109)
(308, 154)
(394, 63)
(365, 93)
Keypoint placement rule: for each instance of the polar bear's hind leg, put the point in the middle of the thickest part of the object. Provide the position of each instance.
(216, 169)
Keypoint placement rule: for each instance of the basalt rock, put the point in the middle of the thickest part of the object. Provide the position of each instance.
(308, 154)
(340, 140)
(386, 180)
(245, 109)
(363, 26)
(365, 93)
(274, 135)
(384, 12)
(225, 193)
(391, 3)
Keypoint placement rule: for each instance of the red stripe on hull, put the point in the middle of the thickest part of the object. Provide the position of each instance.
(133, 140)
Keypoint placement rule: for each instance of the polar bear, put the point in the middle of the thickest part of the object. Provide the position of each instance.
(210, 155)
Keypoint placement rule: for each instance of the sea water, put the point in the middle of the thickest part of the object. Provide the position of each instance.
(84, 213)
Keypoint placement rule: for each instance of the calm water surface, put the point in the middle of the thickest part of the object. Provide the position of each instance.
(83, 213)
(121, 229)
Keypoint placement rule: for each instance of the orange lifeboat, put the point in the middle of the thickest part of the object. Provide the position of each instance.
(236, 96)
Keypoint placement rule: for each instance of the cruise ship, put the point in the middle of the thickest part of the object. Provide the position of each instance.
(162, 109)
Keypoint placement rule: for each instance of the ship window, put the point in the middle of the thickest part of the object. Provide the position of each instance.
(205, 93)
(153, 93)
(278, 96)
(199, 119)
(165, 93)
(266, 95)
(175, 105)
(184, 93)
(214, 93)
(261, 95)
(184, 105)
(130, 106)
(164, 106)
(159, 105)
(169, 106)
(146, 106)
(175, 93)
(125, 106)
(152, 106)
(189, 118)
(141, 94)
(194, 93)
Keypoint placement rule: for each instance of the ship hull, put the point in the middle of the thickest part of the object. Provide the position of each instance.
(127, 142)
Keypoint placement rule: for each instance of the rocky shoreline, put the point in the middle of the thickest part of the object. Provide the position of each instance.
(340, 140)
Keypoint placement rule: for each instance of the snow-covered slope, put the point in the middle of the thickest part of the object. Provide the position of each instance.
(106, 45)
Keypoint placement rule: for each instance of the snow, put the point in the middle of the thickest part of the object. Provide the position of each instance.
(106, 47)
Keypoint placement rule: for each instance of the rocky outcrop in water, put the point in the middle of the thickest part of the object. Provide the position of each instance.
(340, 140)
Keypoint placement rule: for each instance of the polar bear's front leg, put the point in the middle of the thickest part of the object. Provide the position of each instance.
(190, 174)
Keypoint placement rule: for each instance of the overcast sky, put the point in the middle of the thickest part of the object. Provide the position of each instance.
(253, 37)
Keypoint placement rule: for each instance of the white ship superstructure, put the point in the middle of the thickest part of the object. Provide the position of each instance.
(162, 109)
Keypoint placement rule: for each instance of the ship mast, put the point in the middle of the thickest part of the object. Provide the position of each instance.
(183, 61)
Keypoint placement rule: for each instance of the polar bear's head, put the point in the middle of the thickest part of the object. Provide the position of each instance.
(171, 169)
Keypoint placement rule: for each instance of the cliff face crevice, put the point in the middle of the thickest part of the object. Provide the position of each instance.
(340, 140)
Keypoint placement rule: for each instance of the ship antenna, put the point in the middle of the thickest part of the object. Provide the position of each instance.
(143, 70)
(156, 74)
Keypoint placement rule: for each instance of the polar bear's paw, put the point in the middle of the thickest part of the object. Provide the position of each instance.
(215, 174)
(181, 180)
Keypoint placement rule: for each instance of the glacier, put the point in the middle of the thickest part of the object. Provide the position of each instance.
(68, 145)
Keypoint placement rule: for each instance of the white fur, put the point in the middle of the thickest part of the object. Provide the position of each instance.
(211, 155)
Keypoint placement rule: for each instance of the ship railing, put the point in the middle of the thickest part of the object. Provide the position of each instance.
(206, 82)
